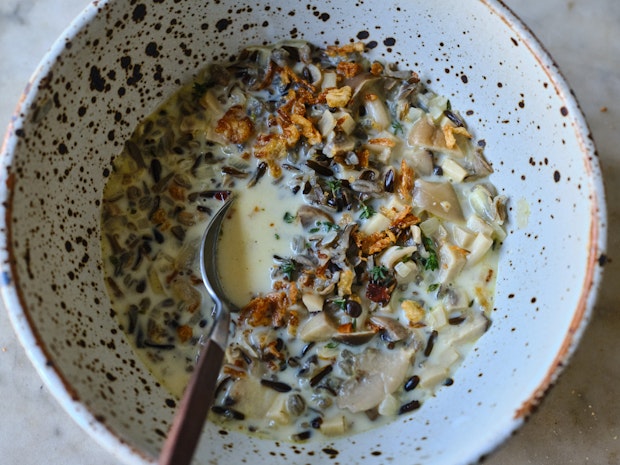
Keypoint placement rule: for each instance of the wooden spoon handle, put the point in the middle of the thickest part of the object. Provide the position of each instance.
(190, 417)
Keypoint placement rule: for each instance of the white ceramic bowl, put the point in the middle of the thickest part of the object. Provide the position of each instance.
(121, 58)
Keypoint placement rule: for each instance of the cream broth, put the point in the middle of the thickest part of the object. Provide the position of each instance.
(361, 250)
(251, 236)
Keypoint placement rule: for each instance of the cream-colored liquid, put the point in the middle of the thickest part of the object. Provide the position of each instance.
(260, 226)
(252, 234)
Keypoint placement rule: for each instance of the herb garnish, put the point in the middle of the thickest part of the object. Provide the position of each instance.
(433, 287)
(367, 211)
(398, 127)
(378, 273)
(327, 226)
(335, 185)
(289, 218)
(432, 262)
(287, 268)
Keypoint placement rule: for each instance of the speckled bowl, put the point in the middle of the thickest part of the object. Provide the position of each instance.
(120, 59)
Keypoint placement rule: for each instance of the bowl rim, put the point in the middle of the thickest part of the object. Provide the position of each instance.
(58, 386)
(10, 291)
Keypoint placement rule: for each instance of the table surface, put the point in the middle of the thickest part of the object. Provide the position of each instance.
(578, 421)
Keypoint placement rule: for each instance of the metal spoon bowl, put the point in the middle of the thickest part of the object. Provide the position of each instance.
(190, 417)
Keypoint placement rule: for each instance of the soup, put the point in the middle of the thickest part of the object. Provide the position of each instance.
(361, 250)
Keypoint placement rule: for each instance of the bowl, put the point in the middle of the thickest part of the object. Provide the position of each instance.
(120, 59)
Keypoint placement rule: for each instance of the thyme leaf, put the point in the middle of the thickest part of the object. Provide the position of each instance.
(367, 211)
(378, 273)
(288, 217)
(288, 268)
(433, 287)
(397, 127)
(432, 262)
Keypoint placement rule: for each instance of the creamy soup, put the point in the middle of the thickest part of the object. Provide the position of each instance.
(361, 250)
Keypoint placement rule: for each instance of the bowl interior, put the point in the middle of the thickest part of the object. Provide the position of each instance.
(121, 59)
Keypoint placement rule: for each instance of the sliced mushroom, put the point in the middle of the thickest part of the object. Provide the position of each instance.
(393, 331)
(338, 142)
(421, 161)
(438, 198)
(313, 302)
(377, 111)
(376, 375)
(424, 134)
(308, 216)
(452, 259)
(319, 327)
(480, 167)
(394, 254)
(361, 83)
(354, 339)
(489, 206)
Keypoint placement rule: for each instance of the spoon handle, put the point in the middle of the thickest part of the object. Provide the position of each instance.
(190, 418)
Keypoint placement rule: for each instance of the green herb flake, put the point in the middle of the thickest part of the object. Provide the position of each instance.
(289, 217)
(340, 302)
(378, 273)
(287, 268)
(334, 185)
(327, 226)
(397, 127)
(331, 345)
(367, 211)
(432, 262)
(433, 287)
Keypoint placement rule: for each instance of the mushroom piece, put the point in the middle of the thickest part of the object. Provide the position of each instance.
(438, 198)
(313, 302)
(421, 161)
(320, 327)
(308, 216)
(425, 135)
(393, 331)
(452, 259)
(354, 339)
(361, 82)
(394, 254)
(479, 166)
(376, 375)
(490, 207)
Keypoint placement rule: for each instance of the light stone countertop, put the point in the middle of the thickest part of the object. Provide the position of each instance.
(579, 420)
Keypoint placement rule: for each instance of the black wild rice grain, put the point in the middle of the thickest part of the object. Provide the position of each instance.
(319, 168)
(430, 343)
(303, 436)
(156, 169)
(409, 407)
(412, 383)
(228, 412)
(275, 385)
(316, 379)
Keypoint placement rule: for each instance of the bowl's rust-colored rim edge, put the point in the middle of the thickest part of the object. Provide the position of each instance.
(10, 287)
(597, 239)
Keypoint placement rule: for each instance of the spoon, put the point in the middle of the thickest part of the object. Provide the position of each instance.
(189, 420)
